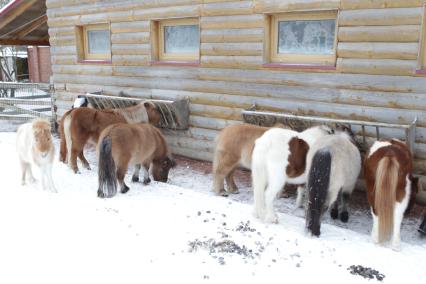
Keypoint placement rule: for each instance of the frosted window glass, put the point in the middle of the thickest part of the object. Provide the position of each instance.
(98, 41)
(306, 37)
(181, 39)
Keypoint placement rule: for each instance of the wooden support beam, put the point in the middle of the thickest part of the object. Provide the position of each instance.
(21, 7)
(35, 24)
(12, 41)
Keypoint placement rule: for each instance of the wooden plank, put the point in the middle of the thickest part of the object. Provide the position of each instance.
(131, 49)
(130, 27)
(381, 17)
(404, 33)
(370, 4)
(167, 12)
(226, 49)
(232, 22)
(228, 8)
(15, 11)
(377, 66)
(127, 60)
(231, 35)
(378, 50)
(31, 27)
(277, 6)
(130, 38)
(231, 61)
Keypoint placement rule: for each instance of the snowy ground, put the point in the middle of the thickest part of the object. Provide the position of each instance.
(178, 232)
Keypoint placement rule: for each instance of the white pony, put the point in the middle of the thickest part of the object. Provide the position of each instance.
(279, 157)
(35, 149)
(333, 166)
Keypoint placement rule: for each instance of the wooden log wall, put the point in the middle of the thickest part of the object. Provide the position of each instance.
(375, 77)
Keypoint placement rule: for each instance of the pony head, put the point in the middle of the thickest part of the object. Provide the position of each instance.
(161, 168)
(42, 137)
(311, 134)
(154, 115)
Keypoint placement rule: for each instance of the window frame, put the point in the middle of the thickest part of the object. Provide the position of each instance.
(295, 58)
(162, 55)
(85, 44)
(422, 44)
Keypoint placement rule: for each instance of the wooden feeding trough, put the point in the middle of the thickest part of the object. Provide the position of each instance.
(174, 114)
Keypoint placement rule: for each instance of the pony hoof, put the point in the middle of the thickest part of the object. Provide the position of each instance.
(146, 181)
(273, 219)
(334, 213)
(236, 191)
(135, 178)
(125, 189)
(396, 247)
(344, 217)
(101, 194)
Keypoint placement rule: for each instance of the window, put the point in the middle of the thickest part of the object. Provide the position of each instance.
(94, 42)
(304, 38)
(178, 40)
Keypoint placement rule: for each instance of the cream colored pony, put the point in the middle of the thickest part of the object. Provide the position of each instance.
(35, 149)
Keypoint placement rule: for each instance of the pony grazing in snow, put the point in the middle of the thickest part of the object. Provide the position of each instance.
(279, 157)
(79, 125)
(35, 149)
(122, 144)
(333, 165)
(391, 188)
(234, 147)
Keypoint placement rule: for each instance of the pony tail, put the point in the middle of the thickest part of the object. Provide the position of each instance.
(385, 195)
(106, 170)
(318, 183)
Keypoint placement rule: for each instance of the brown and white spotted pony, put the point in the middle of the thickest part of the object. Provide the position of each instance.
(35, 149)
(80, 125)
(122, 144)
(279, 157)
(391, 188)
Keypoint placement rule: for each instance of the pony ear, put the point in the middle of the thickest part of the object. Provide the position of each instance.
(147, 105)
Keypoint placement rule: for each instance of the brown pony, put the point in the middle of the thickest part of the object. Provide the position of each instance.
(234, 147)
(391, 188)
(79, 125)
(122, 144)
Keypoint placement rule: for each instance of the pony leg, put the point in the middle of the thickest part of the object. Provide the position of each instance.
(276, 181)
(398, 215)
(300, 194)
(63, 149)
(344, 199)
(73, 160)
(49, 179)
(145, 170)
(375, 230)
(84, 161)
(223, 165)
(135, 176)
(334, 212)
(121, 172)
(24, 167)
(230, 182)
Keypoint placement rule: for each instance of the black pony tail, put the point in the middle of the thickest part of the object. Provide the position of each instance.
(318, 182)
(106, 171)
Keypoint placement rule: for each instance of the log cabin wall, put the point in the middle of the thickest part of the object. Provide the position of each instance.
(376, 75)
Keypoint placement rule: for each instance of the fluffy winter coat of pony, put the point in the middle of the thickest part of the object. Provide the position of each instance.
(279, 157)
(391, 188)
(333, 166)
(35, 149)
(122, 144)
(80, 125)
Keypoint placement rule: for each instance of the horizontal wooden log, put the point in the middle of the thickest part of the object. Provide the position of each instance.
(276, 6)
(377, 66)
(381, 17)
(82, 69)
(362, 4)
(62, 40)
(225, 49)
(405, 33)
(63, 59)
(64, 50)
(231, 35)
(229, 113)
(227, 8)
(231, 61)
(131, 49)
(130, 38)
(378, 50)
(130, 27)
(339, 82)
(127, 60)
(167, 12)
(232, 22)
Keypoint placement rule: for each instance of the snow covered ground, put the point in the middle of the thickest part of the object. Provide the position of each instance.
(178, 232)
